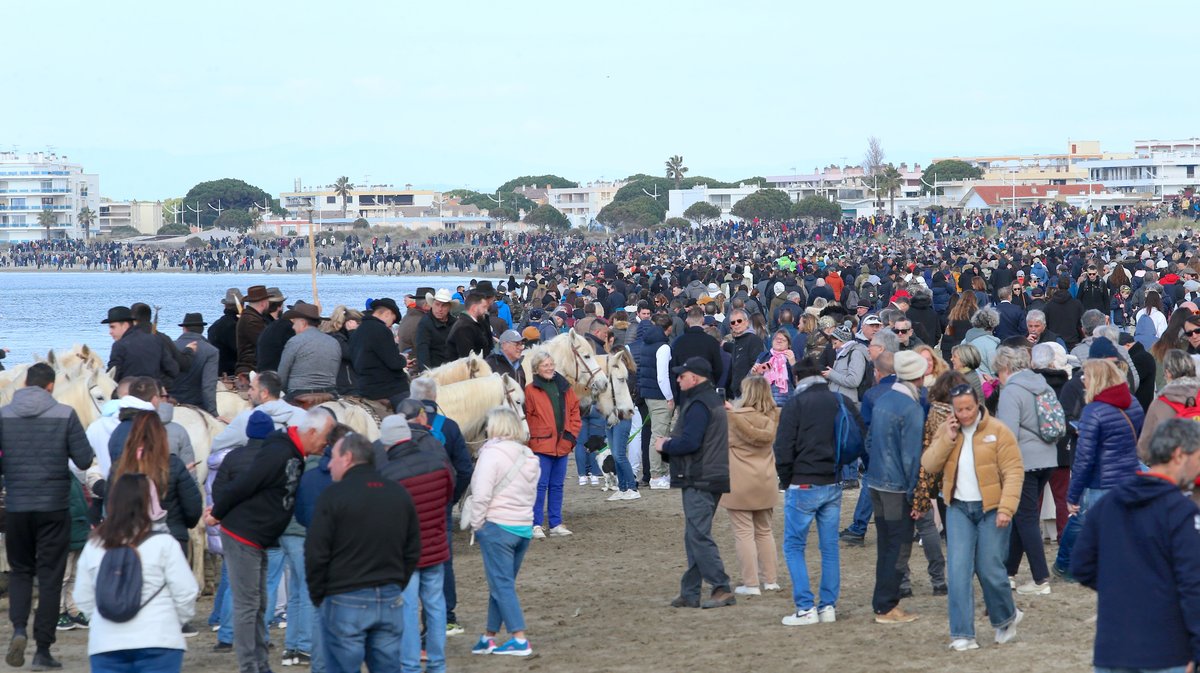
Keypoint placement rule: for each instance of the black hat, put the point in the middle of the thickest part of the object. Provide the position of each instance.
(118, 314)
(484, 287)
(193, 320)
(387, 303)
(695, 365)
(419, 294)
(303, 309)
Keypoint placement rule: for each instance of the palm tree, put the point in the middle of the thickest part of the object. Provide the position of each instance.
(888, 181)
(47, 219)
(676, 169)
(86, 217)
(343, 188)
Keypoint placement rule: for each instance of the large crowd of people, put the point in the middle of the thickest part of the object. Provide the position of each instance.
(940, 381)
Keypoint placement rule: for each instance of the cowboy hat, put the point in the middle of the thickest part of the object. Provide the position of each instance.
(232, 297)
(385, 302)
(118, 314)
(443, 296)
(302, 309)
(193, 320)
(256, 293)
(275, 295)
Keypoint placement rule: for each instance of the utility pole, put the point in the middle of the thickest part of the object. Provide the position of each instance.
(218, 208)
(196, 210)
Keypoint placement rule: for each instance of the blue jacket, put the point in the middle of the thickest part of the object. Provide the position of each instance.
(644, 351)
(896, 439)
(456, 448)
(504, 312)
(1012, 321)
(941, 293)
(1106, 452)
(312, 484)
(1140, 550)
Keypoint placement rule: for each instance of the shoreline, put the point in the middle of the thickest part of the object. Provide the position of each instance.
(302, 271)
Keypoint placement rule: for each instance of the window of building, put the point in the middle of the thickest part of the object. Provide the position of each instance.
(18, 202)
(47, 200)
(330, 199)
(1191, 171)
(18, 220)
(47, 185)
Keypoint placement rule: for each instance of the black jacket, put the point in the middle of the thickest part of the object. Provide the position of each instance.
(364, 534)
(707, 467)
(695, 343)
(37, 436)
(223, 335)
(1146, 367)
(1063, 314)
(470, 336)
(743, 350)
(805, 450)
(182, 357)
(271, 343)
(139, 353)
(379, 368)
(182, 500)
(927, 324)
(499, 364)
(433, 342)
(255, 498)
(345, 376)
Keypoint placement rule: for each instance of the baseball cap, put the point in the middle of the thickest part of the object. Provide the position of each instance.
(695, 365)
(511, 336)
(872, 320)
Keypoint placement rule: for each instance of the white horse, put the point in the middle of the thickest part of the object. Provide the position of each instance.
(615, 403)
(358, 416)
(468, 402)
(471, 367)
(576, 360)
(230, 402)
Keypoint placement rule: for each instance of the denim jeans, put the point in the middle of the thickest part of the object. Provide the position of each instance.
(300, 607)
(219, 597)
(1074, 524)
(618, 445)
(803, 506)
(274, 573)
(424, 592)
(448, 589)
(976, 547)
(585, 461)
(502, 555)
(550, 483)
(862, 509)
(365, 625)
(931, 545)
(143, 660)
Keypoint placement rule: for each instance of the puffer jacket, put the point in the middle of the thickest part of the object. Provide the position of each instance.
(998, 466)
(1106, 453)
(544, 436)
(1017, 410)
(849, 367)
(927, 323)
(941, 293)
(421, 467)
(37, 436)
(1180, 392)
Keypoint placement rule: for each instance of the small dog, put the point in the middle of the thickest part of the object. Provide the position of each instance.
(608, 466)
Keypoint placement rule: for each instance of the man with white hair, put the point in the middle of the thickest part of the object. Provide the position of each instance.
(1036, 332)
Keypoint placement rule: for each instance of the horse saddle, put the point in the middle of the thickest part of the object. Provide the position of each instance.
(309, 400)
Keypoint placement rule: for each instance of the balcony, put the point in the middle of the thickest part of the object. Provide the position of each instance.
(32, 173)
(63, 190)
(33, 207)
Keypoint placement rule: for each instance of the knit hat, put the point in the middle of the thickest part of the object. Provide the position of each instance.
(1102, 348)
(842, 334)
(910, 366)
(393, 430)
(259, 425)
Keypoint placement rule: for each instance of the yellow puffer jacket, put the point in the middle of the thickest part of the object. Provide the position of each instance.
(998, 465)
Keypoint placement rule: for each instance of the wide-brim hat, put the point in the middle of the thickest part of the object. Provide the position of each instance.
(420, 293)
(442, 295)
(193, 320)
(485, 288)
(232, 297)
(696, 365)
(276, 295)
(303, 309)
(118, 314)
(386, 302)
(256, 293)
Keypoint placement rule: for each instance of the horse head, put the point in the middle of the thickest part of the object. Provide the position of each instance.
(581, 362)
(622, 407)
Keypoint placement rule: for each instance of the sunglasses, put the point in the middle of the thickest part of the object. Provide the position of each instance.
(736, 322)
(1191, 333)
(962, 389)
(903, 331)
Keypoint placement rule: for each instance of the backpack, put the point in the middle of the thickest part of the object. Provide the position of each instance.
(870, 293)
(868, 379)
(119, 585)
(849, 445)
(1189, 409)
(1052, 422)
(436, 428)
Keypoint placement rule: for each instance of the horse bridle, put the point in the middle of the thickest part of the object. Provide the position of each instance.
(508, 397)
(582, 364)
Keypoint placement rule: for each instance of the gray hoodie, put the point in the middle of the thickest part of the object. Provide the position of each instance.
(282, 413)
(1017, 410)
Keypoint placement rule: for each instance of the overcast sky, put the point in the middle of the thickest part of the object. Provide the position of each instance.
(446, 94)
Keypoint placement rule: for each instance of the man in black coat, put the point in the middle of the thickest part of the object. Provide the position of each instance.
(1093, 291)
(744, 349)
(379, 368)
(142, 320)
(223, 333)
(136, 352)
(433, 332)
(1146, 367)
(695, 343)
(472, 332)
(1064, 312)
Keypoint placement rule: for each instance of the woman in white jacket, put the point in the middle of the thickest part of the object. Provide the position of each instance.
(152, 640)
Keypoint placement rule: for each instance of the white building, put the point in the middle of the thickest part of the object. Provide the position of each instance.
(844, 183)
(1160, 169)
(31, 184)
(367, 201)
(724, 198)
(582, 204)
(145, 216)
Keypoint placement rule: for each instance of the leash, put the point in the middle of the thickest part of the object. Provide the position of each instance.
(631, 437)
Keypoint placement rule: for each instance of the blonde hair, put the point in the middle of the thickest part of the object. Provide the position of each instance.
(338, 319)
(939, 365)
(1100, 375)
(503, 423)
(756, 394)
(808, 323)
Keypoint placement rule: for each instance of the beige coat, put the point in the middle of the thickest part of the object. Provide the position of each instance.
(753, 483)
(998, 465)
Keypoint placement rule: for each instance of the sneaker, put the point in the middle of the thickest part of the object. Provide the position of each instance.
(538, 533)
(79, 619)
(558, 531)
(963, 644)
(896, 616)
(484, 646)
(189, 631)
(1062, 573)
(44, 661)
(619, 495)
(827, 615)
(1012, 582)
(747, 591)
(515, 649)
(65, 623)
(771, 587)
(719, 599)
(852, 539)
(633, 495)
(1032, 588)
(660, 483)
(280, 621)
(288, 658)
(595, 481)
(801, 618)
(583, 481)
(214, 627)
(302, 658)
(222, 647)
(681, 602)
(940, 591)
(1009, 632)
(454, 629)
(16, 650)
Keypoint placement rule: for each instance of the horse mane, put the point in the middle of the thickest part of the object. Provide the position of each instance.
(471, 367)
(467, 402)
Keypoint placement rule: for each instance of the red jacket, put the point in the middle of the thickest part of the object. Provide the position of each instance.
(421, 467)
(544, 437)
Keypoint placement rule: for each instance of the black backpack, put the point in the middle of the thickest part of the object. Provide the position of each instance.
(870, 293)
(119, 585)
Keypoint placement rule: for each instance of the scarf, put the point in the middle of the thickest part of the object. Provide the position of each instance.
(777, 370)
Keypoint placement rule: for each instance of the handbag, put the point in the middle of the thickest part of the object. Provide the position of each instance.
(464, 507)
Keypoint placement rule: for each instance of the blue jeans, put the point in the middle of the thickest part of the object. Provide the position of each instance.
(1074, 524)
(976, 547)
(618, 445)
(802, 506)
(365, 625)
(550, 482)
(274, 574)
(448, 589)
(144, 660)
(585, 461)
(300, 607)
(502, 555)
(424, 590)
(863, 510)
(214, 617)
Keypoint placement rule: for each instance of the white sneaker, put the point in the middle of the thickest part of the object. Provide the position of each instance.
(538, 533)
(583, 481)
(827, 615)
(1032, 588)
(1009, 632)
(594, 480)
(619, 495)
(747, 591)
(963, 644)
(804, 618)
(660, 483)
(1012, 582)
(633, 495)
(559, 531)
(771, 587)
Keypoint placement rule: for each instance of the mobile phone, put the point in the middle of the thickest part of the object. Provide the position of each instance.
(721, 392)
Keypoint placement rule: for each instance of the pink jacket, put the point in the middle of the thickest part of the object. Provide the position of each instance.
(513, 504)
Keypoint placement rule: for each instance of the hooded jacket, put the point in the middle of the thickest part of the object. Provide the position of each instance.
(849, 368)
(1063, 313)
(37, 436)
(1140, 550)
(1017, 410)
(255, 505)
(927, 324)
(421, 467)
(1180, 393)
(645, 354)
(282, 415)
(1106, 453)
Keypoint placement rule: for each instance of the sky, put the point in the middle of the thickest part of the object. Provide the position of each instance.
(157, 96)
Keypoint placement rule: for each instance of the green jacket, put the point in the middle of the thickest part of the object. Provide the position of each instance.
(79, 521)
